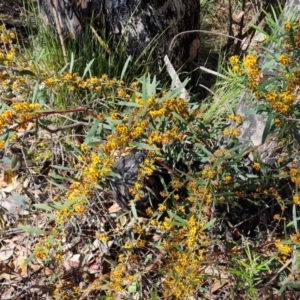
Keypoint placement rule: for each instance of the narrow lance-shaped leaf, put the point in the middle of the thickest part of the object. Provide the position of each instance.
(125, 67)
(91, 134)
(32, 230)
(88, 67)
(267, 127)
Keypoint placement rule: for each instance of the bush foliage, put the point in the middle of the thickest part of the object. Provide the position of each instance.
(223, 214)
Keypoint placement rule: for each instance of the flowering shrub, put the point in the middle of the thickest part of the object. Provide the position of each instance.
(74, 128)
(279, 101)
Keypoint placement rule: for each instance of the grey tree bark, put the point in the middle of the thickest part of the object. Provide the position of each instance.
(139, 21)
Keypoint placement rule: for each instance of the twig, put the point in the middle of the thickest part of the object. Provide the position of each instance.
(256, 147)
(278, 273)
(211, 72)
(209, 90)
(202, 31)
(56, 129)
(254, 216)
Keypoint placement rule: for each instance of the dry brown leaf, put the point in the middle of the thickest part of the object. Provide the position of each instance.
(15, 185)
(6, 252)
(221, 279)
(237, 18)
(3, 182)
(114, 208)
(48, 271)
(8, 294)
(19, 266)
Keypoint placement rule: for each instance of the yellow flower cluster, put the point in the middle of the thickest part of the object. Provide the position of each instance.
(250, 63)
(238, 119)
(19, 112)
(116, 277)
(102, 237)
(295, 176)
(295, 238)
(107, 87)
(182, 268)
(209, 173)
(8, 51)
(284, 249)
(281, 101)
(234, 132)
(166, 108)
(296, 199)
(234, 62)
(226, 179)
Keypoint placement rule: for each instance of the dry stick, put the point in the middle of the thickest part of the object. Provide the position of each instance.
(254, 216)
(256, 147)
(209, 90)
(58, 28)
(56, 129)
(202, 31)
(277, 273)
(211, 72)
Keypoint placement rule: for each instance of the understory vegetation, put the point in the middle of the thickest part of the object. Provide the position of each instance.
(224, 223)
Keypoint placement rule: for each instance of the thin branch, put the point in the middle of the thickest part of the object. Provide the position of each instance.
(202, 31)
(54, 130)
(212, 72)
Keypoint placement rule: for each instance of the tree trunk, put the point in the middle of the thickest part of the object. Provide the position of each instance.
(139, 21)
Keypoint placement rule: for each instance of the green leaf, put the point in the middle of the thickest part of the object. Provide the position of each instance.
(296, 135)
(56, 176)
(251, 176)
(208, 224)
(263, 85)
(68, 203)
(179, 117)
(174, 93)
(144, 87)
(32, 230)
(125, 66)
(28, 260)
(91, 134)
(267, 127)
(142, 146)
(63, 168)
(43, 206)
(132, 288)
(133, 209)
(88, 67)
(181, 222)
(60, 186)
(203, 149)
(35, 92)
(129, 104)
